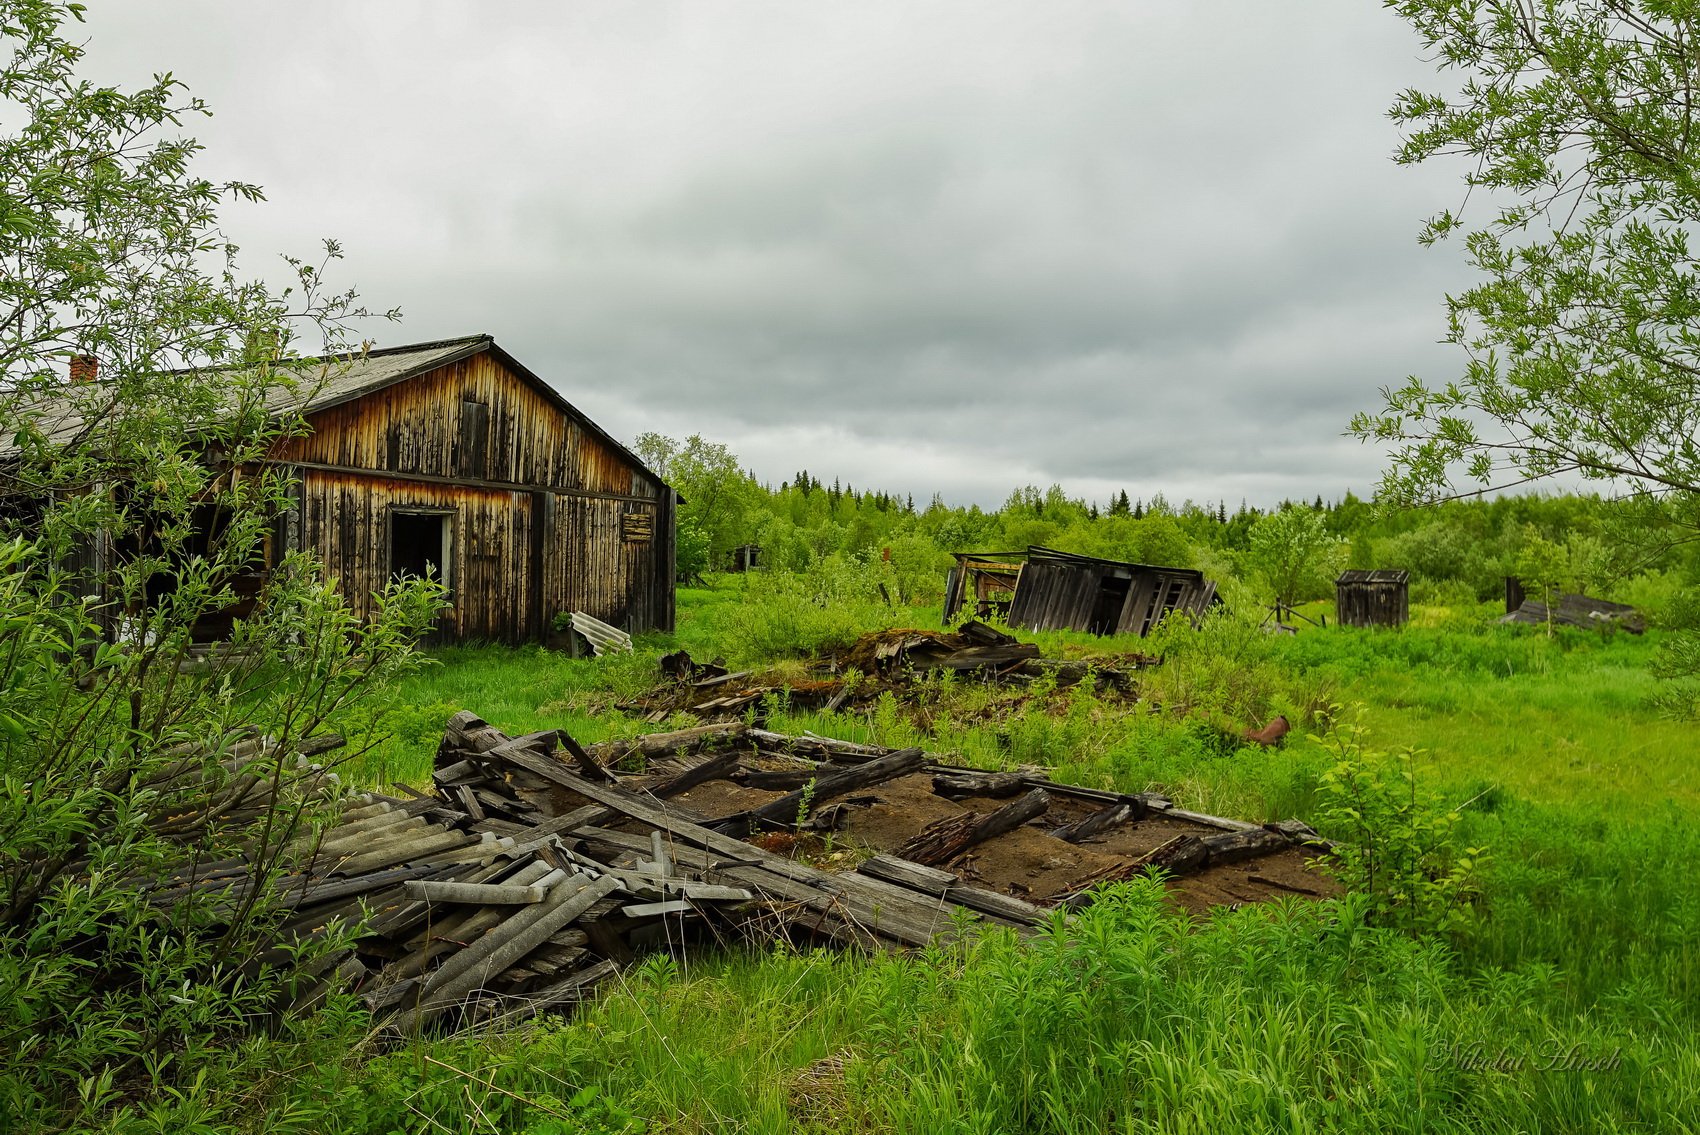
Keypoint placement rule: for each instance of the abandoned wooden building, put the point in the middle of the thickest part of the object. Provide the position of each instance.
(1044, 589)
(1377, 598)
(453, 459)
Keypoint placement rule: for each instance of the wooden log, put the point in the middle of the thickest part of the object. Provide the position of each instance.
(467, 733)
(1181, 855)
(665, 744)
(982, 657)
(943, 840)
(1234, 847)
(997, 785)
(1095, 824)
(829, 783)
(716, 767)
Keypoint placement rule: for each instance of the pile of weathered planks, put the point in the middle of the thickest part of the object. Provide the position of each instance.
(531, 871)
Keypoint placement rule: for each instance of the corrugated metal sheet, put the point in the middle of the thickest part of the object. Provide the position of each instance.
(604, 639)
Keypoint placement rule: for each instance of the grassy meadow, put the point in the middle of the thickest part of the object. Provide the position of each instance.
(1566, 999)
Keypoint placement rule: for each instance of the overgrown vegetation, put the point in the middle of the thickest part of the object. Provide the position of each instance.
(1549, 985)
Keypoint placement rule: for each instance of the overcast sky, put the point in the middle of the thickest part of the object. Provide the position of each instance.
(916, 245)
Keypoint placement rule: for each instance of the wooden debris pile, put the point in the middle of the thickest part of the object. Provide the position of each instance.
(883, 660)
(531, 870)
(1579, 611)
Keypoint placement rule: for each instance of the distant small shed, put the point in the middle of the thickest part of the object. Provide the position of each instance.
(1051, 590)
(745, 557)
(1378, 598)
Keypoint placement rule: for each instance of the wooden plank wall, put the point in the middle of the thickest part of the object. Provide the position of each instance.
(1054, 596)
(1372, 604)
(415, 427)
(542, 471)
(346, 520)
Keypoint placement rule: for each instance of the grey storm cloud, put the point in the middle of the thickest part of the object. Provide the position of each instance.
(954, 246)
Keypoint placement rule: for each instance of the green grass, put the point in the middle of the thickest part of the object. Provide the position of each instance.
(1290, 1019)
(1294, 1018)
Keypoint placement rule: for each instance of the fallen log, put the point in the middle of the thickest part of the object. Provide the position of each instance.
(1095, 824)
(667, 744)
(827, 784)
(944, 840)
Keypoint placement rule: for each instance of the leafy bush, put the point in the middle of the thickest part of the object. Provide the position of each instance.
(1396, 848)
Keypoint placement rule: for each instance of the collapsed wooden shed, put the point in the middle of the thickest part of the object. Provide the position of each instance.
(1373, 598)
(1052, 590)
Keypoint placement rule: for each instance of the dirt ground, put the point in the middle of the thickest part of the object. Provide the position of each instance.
(1027, 863)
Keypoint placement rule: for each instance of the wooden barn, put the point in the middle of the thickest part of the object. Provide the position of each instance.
(1378, 598)
(452, 457)
(1052, 590)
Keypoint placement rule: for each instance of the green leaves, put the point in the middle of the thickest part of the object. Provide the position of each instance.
(1396, 845)
(1583, 355)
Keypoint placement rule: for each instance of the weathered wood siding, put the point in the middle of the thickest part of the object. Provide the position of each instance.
(1052, 596)
(547, 516)
(346, 520)
(416, 427)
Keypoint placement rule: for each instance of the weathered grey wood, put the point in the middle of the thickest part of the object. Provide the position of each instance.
(716, 767)
(958, 785)
(932, 881)
(1095, 824)
(481, 894)
(585, 762)
(1219, 822)
(944, 840)
(662, 744)
(906, 919)
(1233, 847)
(1018, 913)
(908, 873)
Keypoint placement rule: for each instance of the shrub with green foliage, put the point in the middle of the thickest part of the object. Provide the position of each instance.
(1396, 847)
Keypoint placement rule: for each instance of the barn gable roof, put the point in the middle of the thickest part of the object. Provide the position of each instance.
(308, 386)
(356, 375)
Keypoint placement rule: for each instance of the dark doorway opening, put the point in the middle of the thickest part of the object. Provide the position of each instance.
(1107, 611)
(419, 545)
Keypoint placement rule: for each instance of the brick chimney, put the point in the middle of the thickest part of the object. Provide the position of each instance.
(84, 368)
